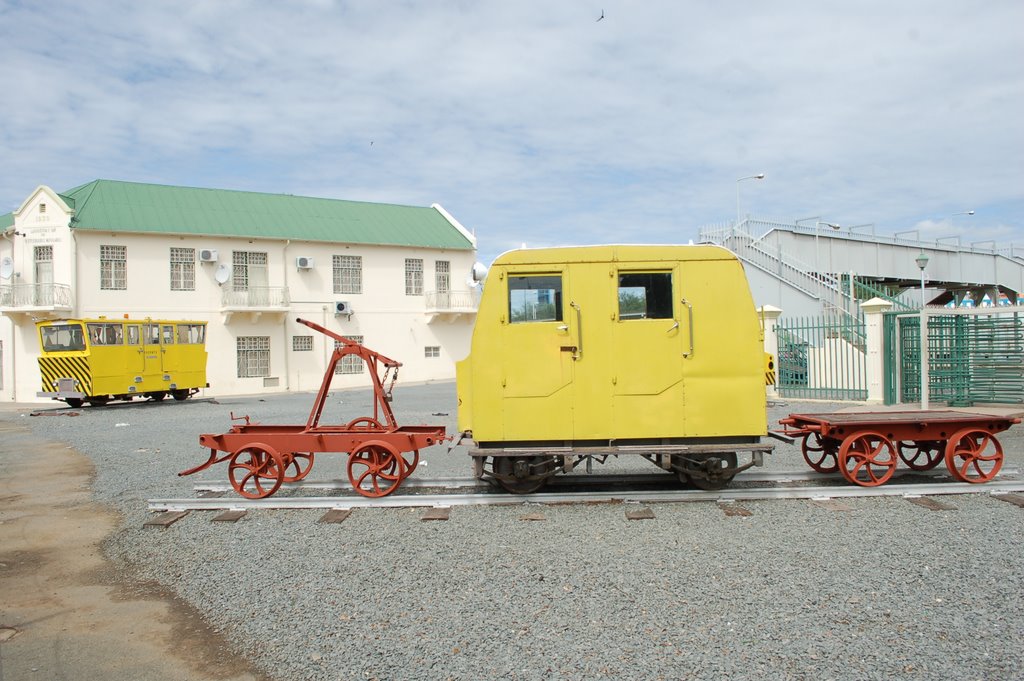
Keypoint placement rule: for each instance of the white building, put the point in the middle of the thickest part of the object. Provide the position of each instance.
(393, 277)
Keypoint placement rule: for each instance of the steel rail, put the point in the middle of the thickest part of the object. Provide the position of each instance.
(667, 496)
(581, 480)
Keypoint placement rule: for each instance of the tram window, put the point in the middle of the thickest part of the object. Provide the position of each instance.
(645, 295)
(168, 337)
(192, 334)
(133, 334)
(105, 334)
(151, 334)
(535, 298)
(63, 338)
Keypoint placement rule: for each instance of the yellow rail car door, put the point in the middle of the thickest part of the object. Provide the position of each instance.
(537, 355)
(153, 368)
(650, 333)
(170, 357)
(134, 351)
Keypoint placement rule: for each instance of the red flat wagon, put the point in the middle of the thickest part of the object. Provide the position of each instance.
(867, 446)
(380, 452)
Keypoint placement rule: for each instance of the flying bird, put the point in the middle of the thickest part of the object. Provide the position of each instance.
(602, 16)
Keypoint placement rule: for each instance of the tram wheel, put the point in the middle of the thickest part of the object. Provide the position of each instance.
(820, 453)
(256, 471)
(712, 478)
(375, 469)
(921, 455)
(158, 396)
(180, 395)
(973, 455)
(867, 459)
(297, 465)
(74, 402)
(523, 474)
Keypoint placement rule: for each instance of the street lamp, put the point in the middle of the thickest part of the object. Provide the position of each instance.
(922, 262)
(952, 222)
(759, 176)
(817, 256)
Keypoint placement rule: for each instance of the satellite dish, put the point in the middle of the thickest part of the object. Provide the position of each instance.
(6, 268)
(223, 273)
(477, 274)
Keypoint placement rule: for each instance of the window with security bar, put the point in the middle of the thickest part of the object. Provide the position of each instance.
(183, 269)
(253, 356)
(113, 268)
(349, 364)
(432, 351)
(348, 273)
(442, 276)
(248, 270)
(302, 343)
(414, 276)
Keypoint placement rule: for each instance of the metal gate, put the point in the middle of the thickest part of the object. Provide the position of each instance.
(974, 356)
(822, 358)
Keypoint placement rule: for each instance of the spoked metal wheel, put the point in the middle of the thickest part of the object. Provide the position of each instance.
(820, 453)
(256, 471)
(297, 465)
(365, 423)
(867, 459)
(375, 469)
(523, 474)
(712, 467)
(974, 455)
(921, 455)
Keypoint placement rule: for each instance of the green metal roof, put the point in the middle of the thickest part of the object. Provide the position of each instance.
(113, 206)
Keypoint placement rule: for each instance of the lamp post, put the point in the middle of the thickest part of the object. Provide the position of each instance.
(817, 256)
(922, 262)
(966, 212)
(759, 176)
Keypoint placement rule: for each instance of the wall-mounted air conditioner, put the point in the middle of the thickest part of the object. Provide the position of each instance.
(207, 255)
(304, 262)
(343, 307)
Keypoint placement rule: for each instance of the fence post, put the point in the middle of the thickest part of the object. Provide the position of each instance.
(875, 347)
(769, 320)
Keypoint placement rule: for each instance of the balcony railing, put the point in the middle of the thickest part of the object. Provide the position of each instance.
(255, 298)
(26, 297)
(452, 301)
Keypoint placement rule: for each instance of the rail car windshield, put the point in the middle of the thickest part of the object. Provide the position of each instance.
(62, 338)
(535, 298)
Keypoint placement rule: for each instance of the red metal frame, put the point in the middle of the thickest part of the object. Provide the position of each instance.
(381, 453)
(864, 446)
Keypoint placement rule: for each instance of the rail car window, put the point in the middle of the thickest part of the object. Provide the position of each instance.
(168, 334)
(645, 295)
(535, 298)
(106, 334)
(133, 334)
(192, 334)
(151, 334)
(63, 338)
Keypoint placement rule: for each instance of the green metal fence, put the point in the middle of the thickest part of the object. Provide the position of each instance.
(822, 358)
(972, 358)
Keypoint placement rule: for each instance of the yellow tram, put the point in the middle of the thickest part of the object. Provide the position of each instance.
(99, 360)
(585, 352)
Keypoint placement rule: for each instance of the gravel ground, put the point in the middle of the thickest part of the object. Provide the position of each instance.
(795, 591)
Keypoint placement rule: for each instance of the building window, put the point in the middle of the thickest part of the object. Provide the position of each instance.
(349, 364)
(42, 208)
(43, 253)
(442, 276)
(183, 269)
(113, 268)
(413, 277)
(432, 351)
(348, 274)
(253, 356)
(248, 270)
(302, 343)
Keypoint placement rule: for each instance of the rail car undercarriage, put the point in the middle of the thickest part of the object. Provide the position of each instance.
(523, 470)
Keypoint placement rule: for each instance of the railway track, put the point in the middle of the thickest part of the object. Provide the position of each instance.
(570, 490)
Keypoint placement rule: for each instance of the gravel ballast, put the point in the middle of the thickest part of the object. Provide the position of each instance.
(794, 591)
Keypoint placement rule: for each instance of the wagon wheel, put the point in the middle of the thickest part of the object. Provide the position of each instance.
(180, 395)
(375, 469)
(974, 455)
(820, 452)
(921, 455)
(364, 423)
(297, 465)
(256, 471)
(411, 459)
(713, 478)
(524, 474)
(867, 459)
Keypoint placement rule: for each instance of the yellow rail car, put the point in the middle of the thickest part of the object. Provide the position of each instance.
(99, 360)
(581, 353)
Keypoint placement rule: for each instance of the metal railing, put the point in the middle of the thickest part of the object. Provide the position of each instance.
(451, 301)
(35, 296)
(255, 297)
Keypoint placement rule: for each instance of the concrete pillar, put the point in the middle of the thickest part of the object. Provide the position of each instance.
(769, 320)
(875, 364)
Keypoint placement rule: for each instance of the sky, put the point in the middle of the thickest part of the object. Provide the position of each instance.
(536, 123)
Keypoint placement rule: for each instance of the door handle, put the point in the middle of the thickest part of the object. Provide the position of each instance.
(689, 315)
(672, 328)
(579, 330)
